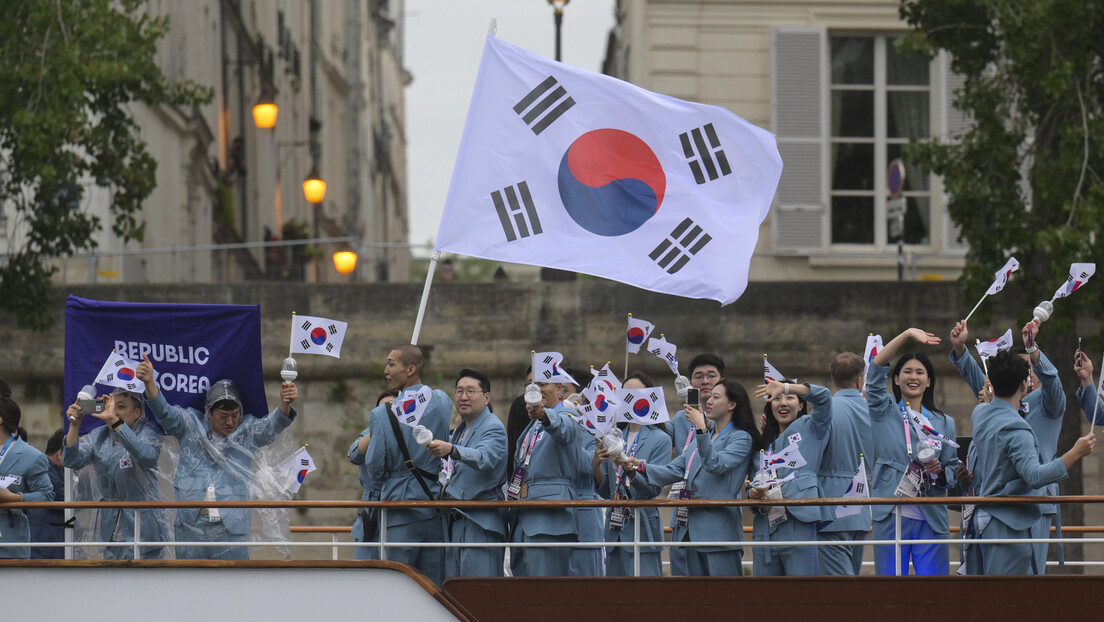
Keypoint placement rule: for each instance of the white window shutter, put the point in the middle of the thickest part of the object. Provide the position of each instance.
(955, 123)
(798, 96)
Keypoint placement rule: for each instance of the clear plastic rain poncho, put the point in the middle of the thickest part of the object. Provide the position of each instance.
(251, 463)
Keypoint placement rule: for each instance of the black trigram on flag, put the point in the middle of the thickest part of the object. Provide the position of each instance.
(653, 397)
(332, 328)
(304, 462)
(516, 211)
(860, 488)
(421, 398)
(118, 363)
(306, 325)
(677, 249)
(699, 154)
(329, 347)
(550, 104)
(306, 344)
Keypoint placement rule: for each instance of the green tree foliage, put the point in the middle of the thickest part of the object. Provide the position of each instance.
(68, 71)
(1026, 179)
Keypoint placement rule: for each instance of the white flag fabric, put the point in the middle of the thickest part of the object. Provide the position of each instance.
(645, 406)
(1002, 275)
(664, 350)
(119, 372)
(789, 458)
(548, 367)
(596, 421)
(296, 469)
(605, 378)
(638, 331)
(873, 346)
(411, 405)
(567, 168)
(990, 348)
(317, 335)
(857, 489)
(922, 425)
(771, 373)
(1079, 275)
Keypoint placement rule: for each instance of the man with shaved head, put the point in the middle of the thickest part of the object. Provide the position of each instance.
(413, 479)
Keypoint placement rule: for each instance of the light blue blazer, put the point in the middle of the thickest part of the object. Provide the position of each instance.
(481, 470)
(371, 487)
(811, 434)
(1008, 459)
(849, 439)
(718, 471)
(552, 473)
(890, 457)
(201, 463)
(1045, 409)
(654, 448)
(125, 471)
(31, 469)
(1088, 400)
(384, 459)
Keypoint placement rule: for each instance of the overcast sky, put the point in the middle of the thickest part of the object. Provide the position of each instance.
(444, 39)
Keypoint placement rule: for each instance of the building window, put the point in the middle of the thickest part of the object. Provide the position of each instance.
(878, 101)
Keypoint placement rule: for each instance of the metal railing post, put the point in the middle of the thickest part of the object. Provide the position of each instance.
(636, 542)
(897, 541)
(137, 532)
(383, 534)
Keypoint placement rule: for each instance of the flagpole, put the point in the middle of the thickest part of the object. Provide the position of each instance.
(291, 339)
(425, 295)
(103, 368)
(1096, 407)
(986, 295)
(625, 375)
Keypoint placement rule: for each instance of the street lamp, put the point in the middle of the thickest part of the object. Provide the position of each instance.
(557, 17)
(345, 261)
(265, 110)
(314, 188)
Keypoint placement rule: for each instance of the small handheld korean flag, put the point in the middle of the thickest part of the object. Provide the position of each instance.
(603, 401)
(645, 406)
(857, 489)
(664, 350)
(788, 458)
(1002, 276)
(296, 469)
(119, 372)
(598, 421)
(873, 346)
(411, 405)
(547, 367)
(639, 330)
(605, 378)
(317, 335)
(1079, 275)
(771, 373)
(988, 349)
(923, 427)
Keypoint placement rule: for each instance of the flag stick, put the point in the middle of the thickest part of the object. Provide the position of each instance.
(1096, 407)
(983, 297)
(291, 339)
(425, 297)
(103, 369)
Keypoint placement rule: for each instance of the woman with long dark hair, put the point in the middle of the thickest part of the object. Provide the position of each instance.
(792, 446)
(902, 441)
(715, 466)
(651, 444)
(24, 476)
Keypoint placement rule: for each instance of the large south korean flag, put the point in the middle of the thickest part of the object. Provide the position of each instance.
(566, 168)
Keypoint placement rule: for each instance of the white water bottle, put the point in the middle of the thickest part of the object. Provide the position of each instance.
(422, 435)
(614, 444)
(927, 456)
(532, 395)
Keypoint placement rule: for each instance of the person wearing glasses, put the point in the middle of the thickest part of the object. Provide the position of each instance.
(217, 448)
(474, 468)
(706, 371)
